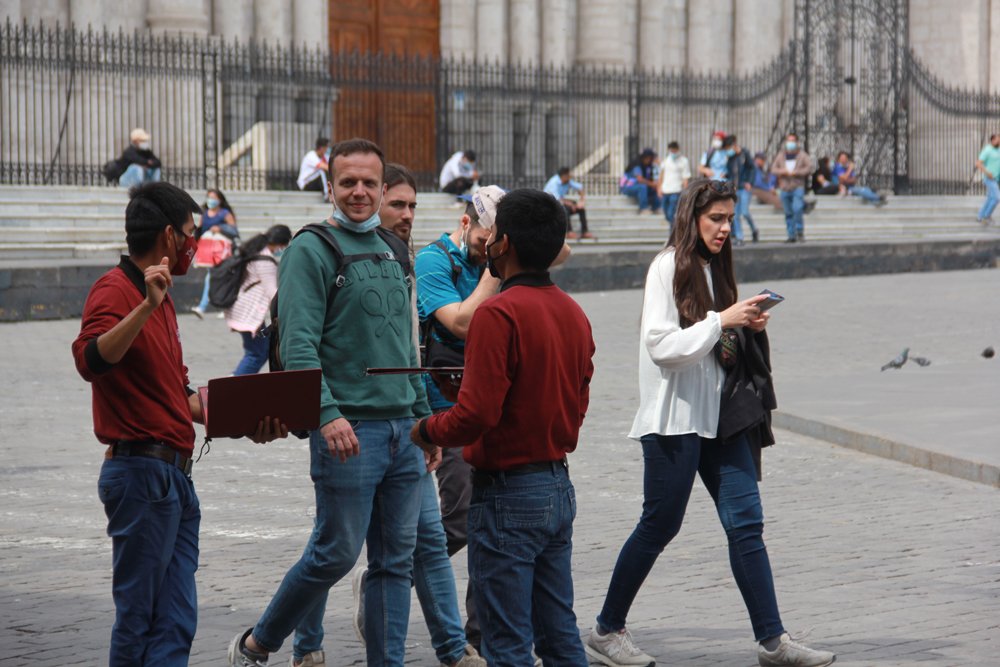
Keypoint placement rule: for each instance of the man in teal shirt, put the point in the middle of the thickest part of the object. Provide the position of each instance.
(989, 164)
(365, 469)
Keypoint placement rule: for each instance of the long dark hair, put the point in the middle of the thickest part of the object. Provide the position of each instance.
(690, 287)
(278, 234)
(223, 202)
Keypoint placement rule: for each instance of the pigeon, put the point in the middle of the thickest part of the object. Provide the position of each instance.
(921, 361)
(989, 352)
(898, 361)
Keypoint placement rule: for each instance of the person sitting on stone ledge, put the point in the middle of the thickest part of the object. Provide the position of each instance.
(137, 163)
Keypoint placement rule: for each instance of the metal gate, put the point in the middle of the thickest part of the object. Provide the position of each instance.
(850, 93)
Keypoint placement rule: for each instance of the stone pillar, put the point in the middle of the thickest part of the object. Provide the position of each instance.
(310, 23)
(48, 12)
(190, 16)
(555, 33)
(127, 15)
(273, 21)
(948, 39)
(233, 19)
(458, 29)
(601, 38)
(652, 35)
(757, 34)
(87, 13)
(675, 35)
(710, 36)
(492, 31)
(994, 45)
(10, 9)
(525, 32)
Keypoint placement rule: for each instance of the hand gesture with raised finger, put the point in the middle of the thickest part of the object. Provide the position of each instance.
(158, 279)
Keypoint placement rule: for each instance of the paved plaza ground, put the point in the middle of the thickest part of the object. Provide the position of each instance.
(882, 562)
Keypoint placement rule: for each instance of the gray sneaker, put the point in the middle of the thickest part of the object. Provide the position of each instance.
(240, 656)
(616, 649)
(791, 654)
(358, 588)
(314, 659)
(471, 658)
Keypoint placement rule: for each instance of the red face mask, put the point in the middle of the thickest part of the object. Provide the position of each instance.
(185, 255)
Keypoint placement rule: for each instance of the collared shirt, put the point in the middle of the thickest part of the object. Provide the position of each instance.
(559, 190)
(526, 389)
(680, 382)
(437, 288)
(990, 157)
(310, 169)
(676, 170)
(144, 396)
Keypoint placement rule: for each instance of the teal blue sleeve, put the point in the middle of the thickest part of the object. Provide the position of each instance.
(303, 277)
(435, 287)
(984, 154)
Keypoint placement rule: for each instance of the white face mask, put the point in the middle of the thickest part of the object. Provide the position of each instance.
(144, 145)
(716, 143)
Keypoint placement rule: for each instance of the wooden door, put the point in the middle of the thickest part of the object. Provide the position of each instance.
(386, 53)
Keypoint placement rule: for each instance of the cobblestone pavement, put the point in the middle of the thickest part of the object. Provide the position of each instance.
(884, 563)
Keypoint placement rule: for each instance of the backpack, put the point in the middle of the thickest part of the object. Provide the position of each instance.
(398, 252)
(226, 280)
(435, 352)
(112, 170)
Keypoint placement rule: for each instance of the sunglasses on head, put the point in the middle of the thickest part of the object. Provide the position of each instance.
(722, 187)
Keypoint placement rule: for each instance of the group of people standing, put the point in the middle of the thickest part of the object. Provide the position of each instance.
(499, 444)
(781, 181)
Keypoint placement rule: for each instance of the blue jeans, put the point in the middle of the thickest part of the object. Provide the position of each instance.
(203, 304)
(670, 206)
(137, 175)
(374, 496)
(743, 197)
(645, 195)
(153, 518)
(730, 476)
(992, 198)
(520, 550)
(435, 580)
(867, 194)
(255, 349)
(793, 202)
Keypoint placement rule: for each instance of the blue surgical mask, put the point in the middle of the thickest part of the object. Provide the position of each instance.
(278, 253)
(212, 202)
(358, 227)
(730, 153)
(672, 156)
(791, 145)
(463, 247)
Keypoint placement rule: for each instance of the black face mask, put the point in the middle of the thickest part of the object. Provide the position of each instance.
(703, 250)
(490, 266)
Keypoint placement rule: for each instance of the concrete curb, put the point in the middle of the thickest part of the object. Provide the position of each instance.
(972, 471)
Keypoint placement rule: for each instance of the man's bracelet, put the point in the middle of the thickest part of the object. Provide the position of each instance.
(422, 430)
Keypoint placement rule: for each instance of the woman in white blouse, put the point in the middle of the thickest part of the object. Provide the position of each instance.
(258, 287)
(690, 299)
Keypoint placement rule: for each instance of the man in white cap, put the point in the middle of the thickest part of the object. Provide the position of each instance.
(451, 283)
(137, 163)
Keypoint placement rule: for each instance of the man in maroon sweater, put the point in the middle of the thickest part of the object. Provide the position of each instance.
(528, 364)
(129, 349)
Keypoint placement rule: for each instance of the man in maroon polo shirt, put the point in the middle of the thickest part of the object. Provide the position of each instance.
(525, 391)
(129, 349)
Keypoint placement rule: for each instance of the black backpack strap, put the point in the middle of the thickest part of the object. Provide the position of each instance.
(456, 270)
(399, 249)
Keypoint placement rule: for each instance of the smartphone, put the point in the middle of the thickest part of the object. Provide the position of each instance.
(772, 300)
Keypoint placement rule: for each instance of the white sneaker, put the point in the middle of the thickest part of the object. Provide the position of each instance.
(792, 654)
(239, 656)
(199, 313)
(616, 649)
(314, 659)
(358, 614)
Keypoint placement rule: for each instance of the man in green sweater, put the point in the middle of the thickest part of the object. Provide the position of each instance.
(364, 467)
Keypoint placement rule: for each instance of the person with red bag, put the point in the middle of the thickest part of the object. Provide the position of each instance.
(217, 237)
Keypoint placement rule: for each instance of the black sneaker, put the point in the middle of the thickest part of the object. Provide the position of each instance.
(756, 236)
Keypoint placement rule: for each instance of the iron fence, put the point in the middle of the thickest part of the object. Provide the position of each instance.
(241, 115)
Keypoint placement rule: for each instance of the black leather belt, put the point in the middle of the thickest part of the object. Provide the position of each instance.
(484, 478)
(153, 450)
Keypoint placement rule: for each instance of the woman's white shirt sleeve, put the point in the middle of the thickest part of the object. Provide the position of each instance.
(680, 381)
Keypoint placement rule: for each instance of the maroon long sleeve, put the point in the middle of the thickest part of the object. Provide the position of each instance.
(528, 364)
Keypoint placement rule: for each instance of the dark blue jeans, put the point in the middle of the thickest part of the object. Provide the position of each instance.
(670, 206)
(730, 476)
(520, 552)
(153, 518)
(255, 349)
